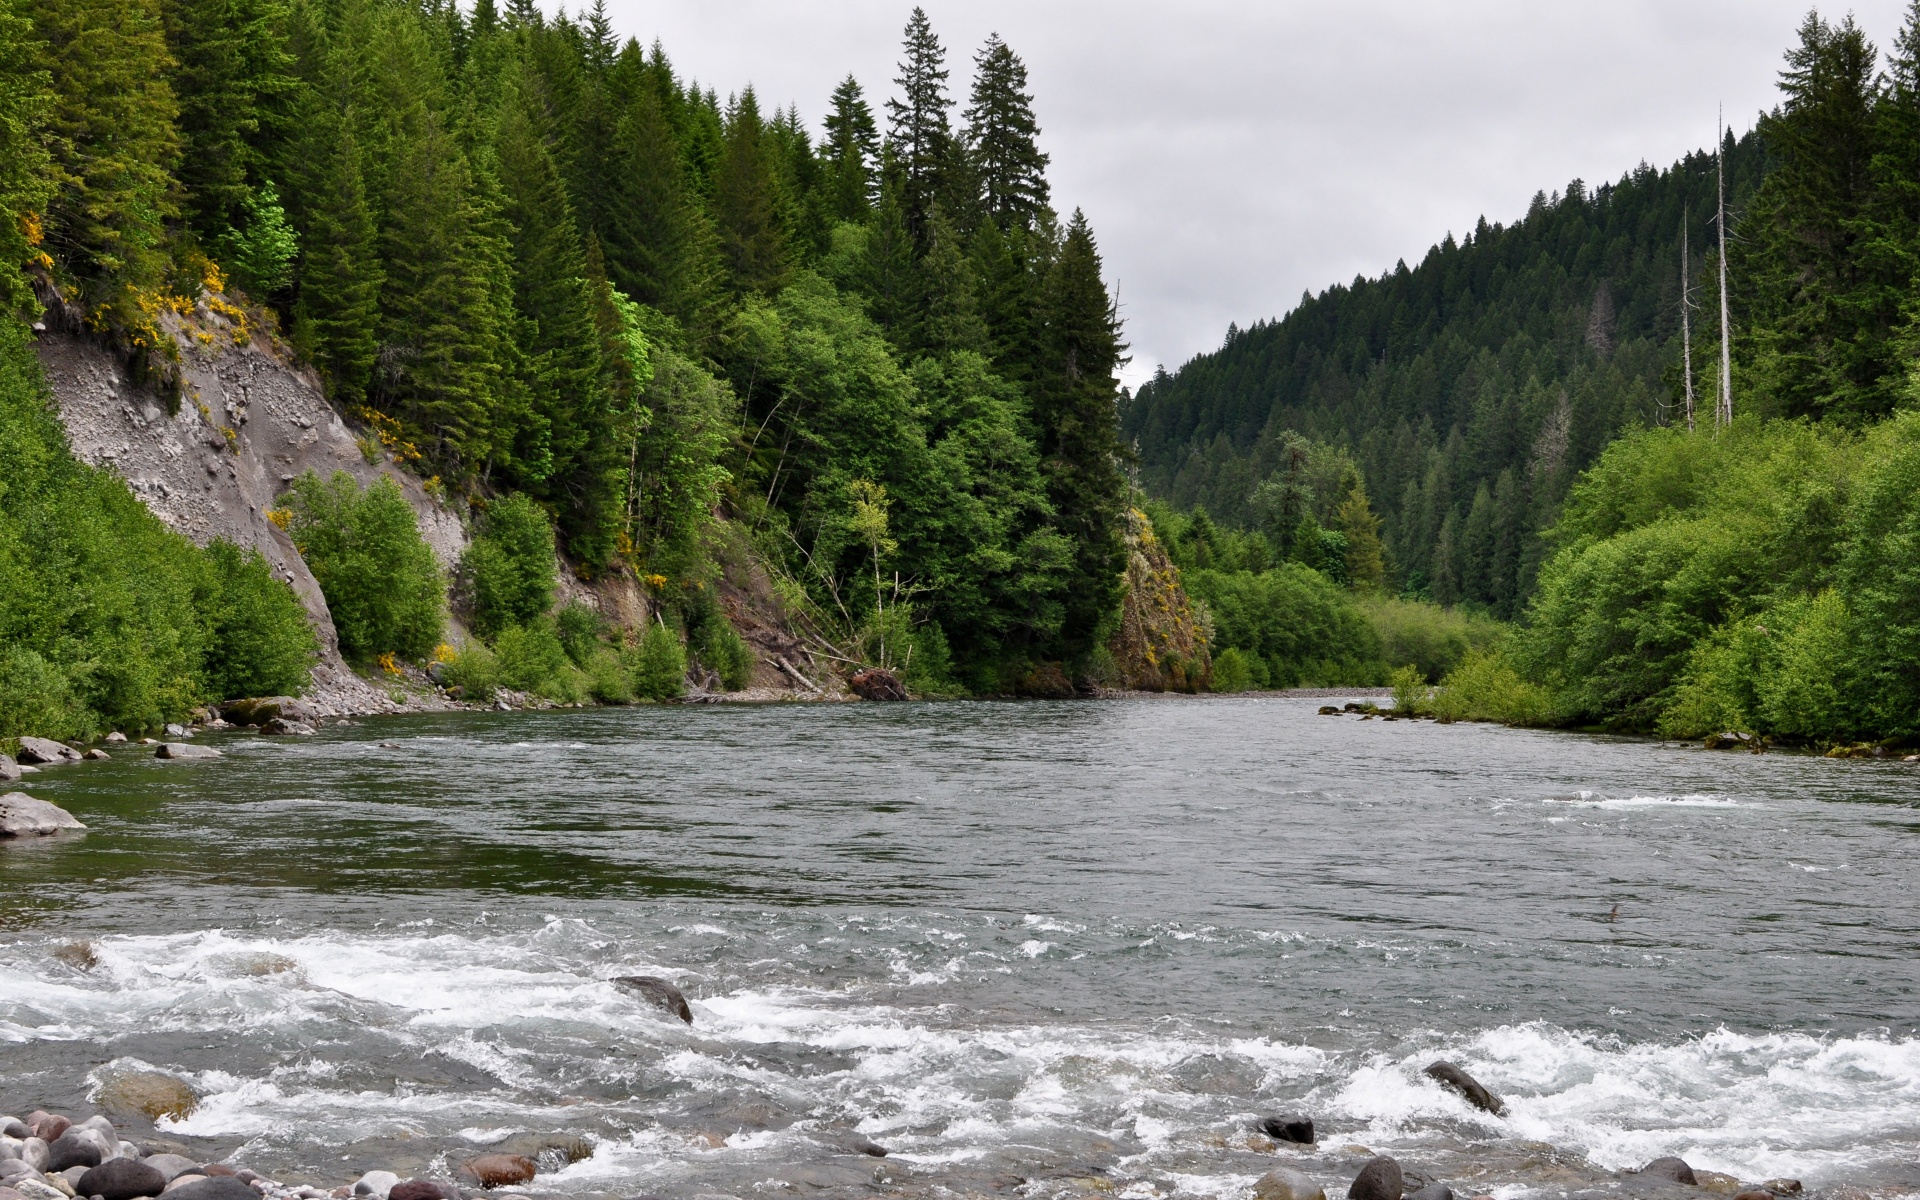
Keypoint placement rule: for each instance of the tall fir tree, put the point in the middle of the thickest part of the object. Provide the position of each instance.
(24, 165)
(656, 238)
(919, 126)
(1002, 135)
(852, 154)
(110, 133)
(336, 314)
(752, 243)
(1076, 408)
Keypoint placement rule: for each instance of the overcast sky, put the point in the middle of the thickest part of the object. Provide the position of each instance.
(1232, 155)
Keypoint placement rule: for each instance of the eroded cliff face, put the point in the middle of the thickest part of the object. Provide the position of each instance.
(1161, 645)
(248, 423)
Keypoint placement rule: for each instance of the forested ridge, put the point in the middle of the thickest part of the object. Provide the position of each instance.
(534, 262)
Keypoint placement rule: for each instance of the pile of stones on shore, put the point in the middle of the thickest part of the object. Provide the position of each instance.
(50, 1157)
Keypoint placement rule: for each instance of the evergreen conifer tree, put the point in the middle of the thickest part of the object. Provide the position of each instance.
(657, 242)
(919, 127)
(1002, 134)
(110, 132)
(852, 153)
(951, 321)
(24, 166)
(1075, 409)
(336, 316)
(751, 241)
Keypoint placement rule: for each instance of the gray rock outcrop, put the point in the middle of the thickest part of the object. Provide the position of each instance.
(22, 815)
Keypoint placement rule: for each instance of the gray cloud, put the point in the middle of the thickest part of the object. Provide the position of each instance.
(1233, 155)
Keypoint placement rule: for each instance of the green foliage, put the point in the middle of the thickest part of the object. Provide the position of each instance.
(1431, 638)
(579, 628)
(658, 665)
(259, 641)
(724, 651)
(1233, 670)
(381, 581)
(25, 175)
(475, 670)
(1410, 691)
(38, 698)
(532, 659)
(1306, 630)
(263, 250)
(607, 678)
(1486, 687)
(509, 566)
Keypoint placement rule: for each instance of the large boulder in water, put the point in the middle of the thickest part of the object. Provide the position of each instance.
(1466, 1087)
(1675, 1169)
(46, 751)
(1289, 1128)
(185, 750)
(1284, 1183)
(121, 1179)
(659, 993)
(148, 1093)
(23, 816)
(1380, 1179)
(497, 1170)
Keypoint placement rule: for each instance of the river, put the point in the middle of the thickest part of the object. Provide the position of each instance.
(1030, 948)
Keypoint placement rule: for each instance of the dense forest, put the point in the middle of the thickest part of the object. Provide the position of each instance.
(541, 266)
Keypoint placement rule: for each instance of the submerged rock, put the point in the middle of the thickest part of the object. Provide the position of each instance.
(185, 750)
(1289, 1128)
(1675, 1169)
(148, 1093)
(96, 755)
(498, 1170)
(23, 816)
(1380, 1179)
(120, 1179)
(1284, 1183)
(659, 993)
(44, 751)
(1467, 1087)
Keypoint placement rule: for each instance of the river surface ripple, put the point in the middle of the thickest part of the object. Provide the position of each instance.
(1034, 949)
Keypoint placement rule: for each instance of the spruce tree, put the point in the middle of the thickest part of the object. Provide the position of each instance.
(336, 315)
(752, 244)
(1001, 133)
(658, 245)
(234, 81)
(852, 154)
(24, 166)
(919, 128)
(110, 132)
(951, 313)
(1076, 411)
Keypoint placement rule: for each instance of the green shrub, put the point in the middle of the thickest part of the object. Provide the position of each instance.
(1410, 691)
(579, 628)
(1231, 672)
(475, 671)
(1308, 631)
(725, 652)
(380, 579)
(607, 678)
(38, 698)
(509, 566)
(259, 642)
(1430, 637)
(658, 665)
(531, 658)
(1486, 687)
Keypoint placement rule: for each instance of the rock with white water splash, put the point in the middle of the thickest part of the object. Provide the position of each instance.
(1291, 1127)
(376, 1184)
(46, 751)
(1380, 1179)
(659, 993)
(23, 816)
(120, 1179)
(497, 1170)
(185, 750)
(1284, 1183)
(149, 1094)
(171, 1166)
(1466, 1087)
(1674, 1169)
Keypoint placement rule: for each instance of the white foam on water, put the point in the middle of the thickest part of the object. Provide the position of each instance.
(533, 1014)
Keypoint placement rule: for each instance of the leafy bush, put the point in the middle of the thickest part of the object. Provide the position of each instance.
(607, 677)
(380, 578)
(1486, 687)
(260, 642)
(1430, 637)
(1308, 630)
(658, 665)
(1410, 690)
(725, 652)
(475, 671)
(38, 698)
(579, 628)
(509, 566)
(1233, 671)
(532, 658)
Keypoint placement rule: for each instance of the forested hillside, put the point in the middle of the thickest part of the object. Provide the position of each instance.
(1470, 389)
(534, 261)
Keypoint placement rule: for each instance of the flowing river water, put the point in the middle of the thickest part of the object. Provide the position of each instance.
(1041, 949)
